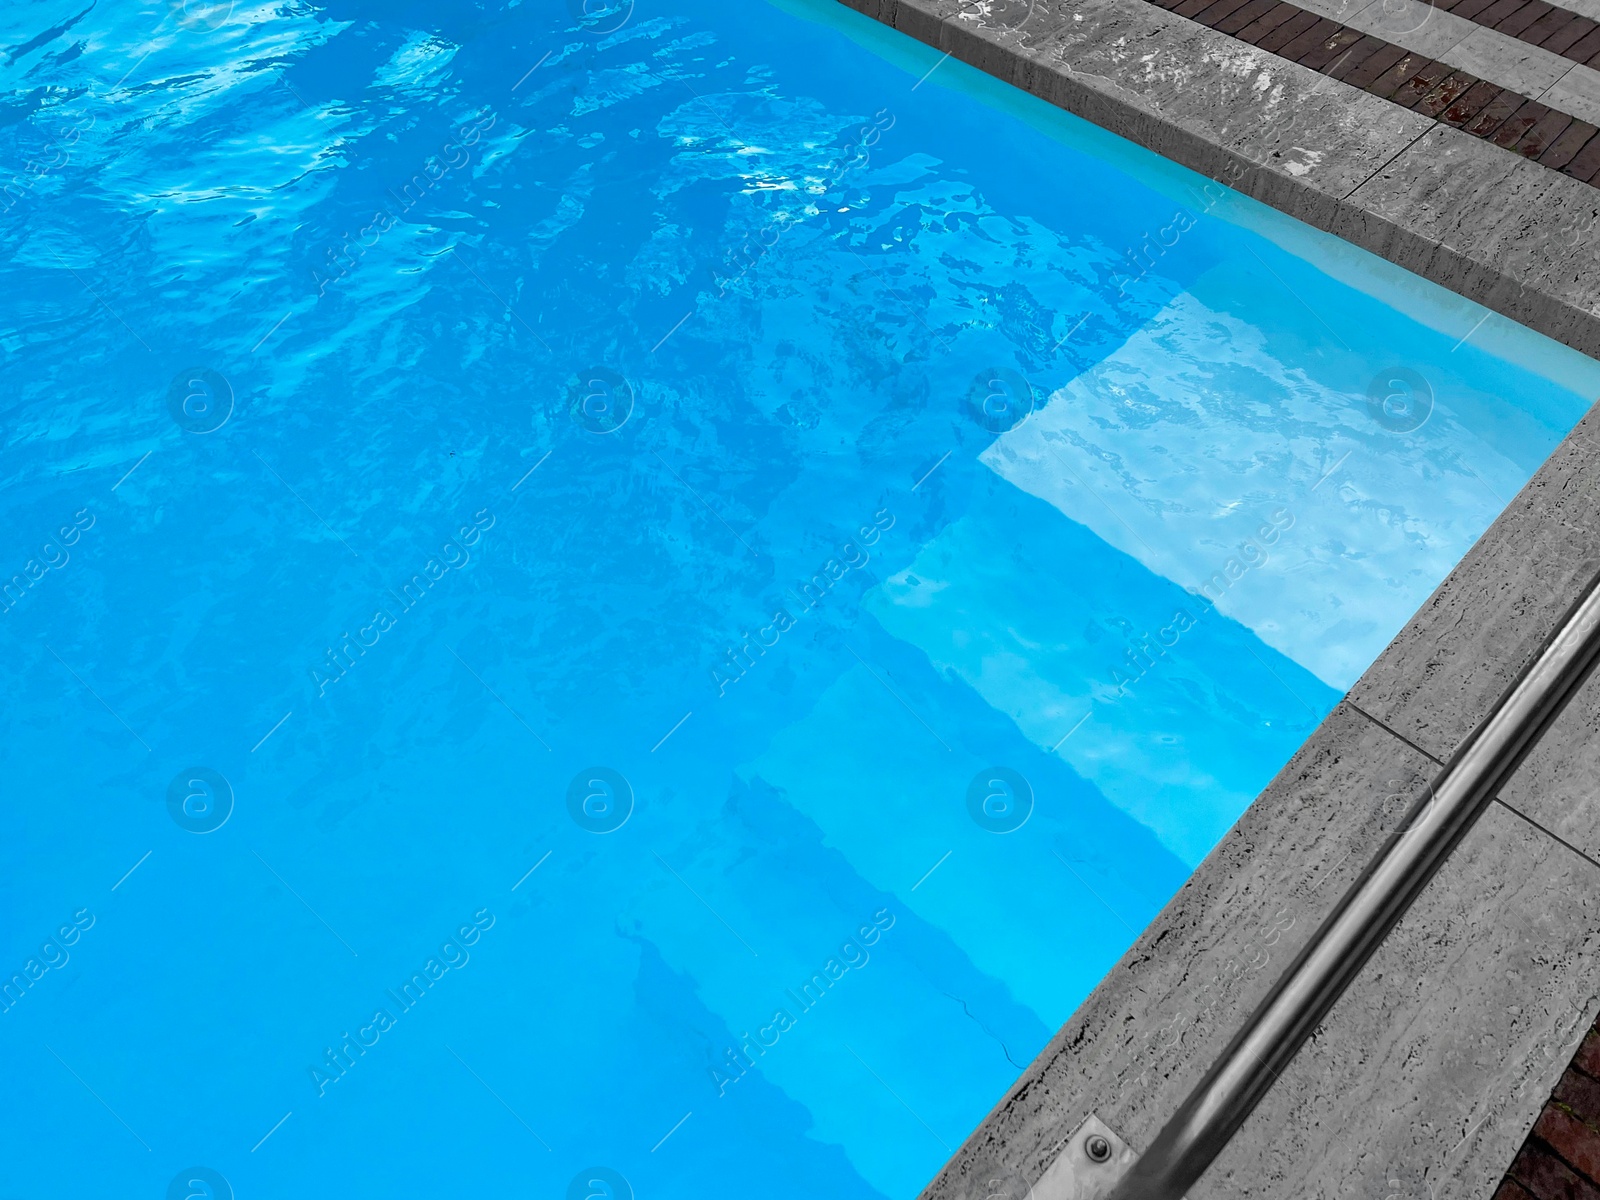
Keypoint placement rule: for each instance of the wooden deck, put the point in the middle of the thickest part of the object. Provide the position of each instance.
(1433, 89)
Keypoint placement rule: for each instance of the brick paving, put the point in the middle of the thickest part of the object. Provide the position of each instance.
(1561, 1158)
(1535, 22)
(1435, 89)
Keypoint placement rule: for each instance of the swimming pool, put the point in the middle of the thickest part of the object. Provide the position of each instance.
(639, 601)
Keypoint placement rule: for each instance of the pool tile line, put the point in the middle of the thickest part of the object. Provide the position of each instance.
(1426, 86)
(1392, 732)
(1546, 831)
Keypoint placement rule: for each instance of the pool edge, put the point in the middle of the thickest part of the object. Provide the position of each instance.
(1437, 1062)
(1481, 221)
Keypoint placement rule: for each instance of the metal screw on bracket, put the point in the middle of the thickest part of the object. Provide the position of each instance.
(1090, 1165)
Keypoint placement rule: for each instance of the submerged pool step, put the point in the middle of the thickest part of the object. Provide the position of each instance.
(1431, 1070)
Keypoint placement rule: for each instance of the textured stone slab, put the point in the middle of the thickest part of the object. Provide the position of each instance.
(1409, 210)
(1577, 92)
(1559, 786)
(1320, 150)
(1154, 1024)
(1485, 223)
(1409, 23)
(1563, 27)
(1438, 35)
(1286, 135)
(1198, 97)
(1347, 11)
(1563, 1147)
(1584, 8)
(1490, 54)
(1441, 677)
(1427, 1075)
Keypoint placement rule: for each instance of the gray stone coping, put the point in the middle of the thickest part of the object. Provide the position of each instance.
(1497, 57)
(1517, 237)
(1429, 1072)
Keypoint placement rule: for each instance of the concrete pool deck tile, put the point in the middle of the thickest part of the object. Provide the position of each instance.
(1576, 92)
(1511, 59)
(1411, 210)
(1511, 223)
(1153, 1025)
(1584, 8)
(1571, 270)
(1445, 671)
(1345, 12)
(1202, 96)
(1022, 54)
(1064, 58)
(1126, 64)
(1555, 788)
(1510, 63)
(1487, 224)
(1430, 1070)
(1428, 31)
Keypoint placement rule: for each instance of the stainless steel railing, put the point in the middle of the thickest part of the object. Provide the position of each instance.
(1318, 976)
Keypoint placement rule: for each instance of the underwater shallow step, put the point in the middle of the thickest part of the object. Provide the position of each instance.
(419, 584)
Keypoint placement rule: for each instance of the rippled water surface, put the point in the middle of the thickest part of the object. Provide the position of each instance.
(639, 601)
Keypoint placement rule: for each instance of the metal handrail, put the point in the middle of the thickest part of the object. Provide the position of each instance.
(1343, 943)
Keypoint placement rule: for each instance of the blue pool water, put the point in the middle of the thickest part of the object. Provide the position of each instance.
(641, 603)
